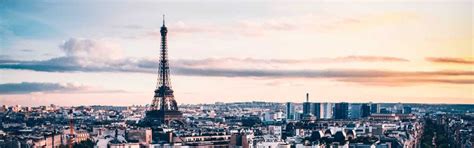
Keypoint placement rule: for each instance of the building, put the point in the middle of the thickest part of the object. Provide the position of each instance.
(365, 110)
(53, 140)
(81, 136)
(298, 115)
(375, 108)
(307, 106)
(385, 111)
(239, 140)
(406, 110)
(341, 110)
(124, 145)
(316, 110)
(392, 117)
(275, 130)
(3, 108)
(290, 111)
(202, 140)
(398, 108)
(142, 136)
(354, 111)
(326, 110)
(107, 108)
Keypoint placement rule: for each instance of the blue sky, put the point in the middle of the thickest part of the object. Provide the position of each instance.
(397, 51)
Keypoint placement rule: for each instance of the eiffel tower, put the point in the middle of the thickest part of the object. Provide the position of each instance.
(164, 107)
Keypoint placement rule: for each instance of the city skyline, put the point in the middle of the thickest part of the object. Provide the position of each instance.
(74, 53)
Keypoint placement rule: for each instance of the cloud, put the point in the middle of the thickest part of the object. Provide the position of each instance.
(365, 77)
(40, 87)
(206, 69)
(84, 55)
(72, 63)
(248, 62)
(368, 77)
(447, 60)
(92, 49)
(403, 81)
(370, 59)
(30, 87)
(331, 73)
(26, 50)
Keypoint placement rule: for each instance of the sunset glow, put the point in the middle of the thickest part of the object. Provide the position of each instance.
(76, 52)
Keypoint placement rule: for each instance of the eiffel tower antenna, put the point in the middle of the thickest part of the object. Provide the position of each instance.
(163, 20)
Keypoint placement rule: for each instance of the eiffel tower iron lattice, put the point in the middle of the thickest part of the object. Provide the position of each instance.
(164, 107)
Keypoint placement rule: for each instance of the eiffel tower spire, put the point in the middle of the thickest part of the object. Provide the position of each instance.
(164, 21)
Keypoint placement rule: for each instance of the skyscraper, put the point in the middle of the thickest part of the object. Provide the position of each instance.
(354, 110)
(164, 107)
(290, 111)
(316, 110)
(341, 110)
(406, 110)
(326, 110)
(375, 108)
(365, 109)
(398, 108)
(306, 105)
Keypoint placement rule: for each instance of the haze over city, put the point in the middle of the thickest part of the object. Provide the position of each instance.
(100, 52)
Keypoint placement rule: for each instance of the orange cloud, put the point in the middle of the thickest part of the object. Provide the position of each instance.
(407, 81)
(446, 60)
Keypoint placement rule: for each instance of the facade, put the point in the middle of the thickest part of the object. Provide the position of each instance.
(392, 117)
(239, 140)
(375, 108)
(365, 110)
(275, 130)
(354, 111)
(316, 110)
(307, 106)
(124, 145)
(398, 108)
(341, 110)
(406, 110)
(142, 136)
(326, 110)
(290, 111)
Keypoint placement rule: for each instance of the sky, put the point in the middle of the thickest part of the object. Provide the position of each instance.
(106, 52)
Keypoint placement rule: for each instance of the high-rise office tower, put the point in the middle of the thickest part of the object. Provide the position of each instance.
(354, 110)
(326, 110)
(307, 105)
(341, 110)
(290, 111)
(406, 110)
(398, 108)
(316, 110)
(365, 109)
(375, 108)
